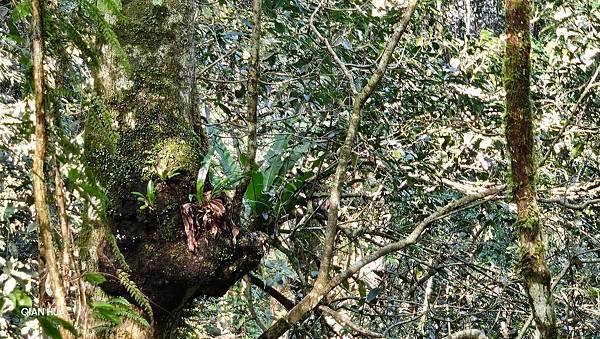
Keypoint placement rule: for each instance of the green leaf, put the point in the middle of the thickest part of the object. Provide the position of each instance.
(362, 290)
(202, 174)
(151, 191)
(274, 161)
(20, 11)
(255, 195)
(230, 168)
(105, 310)
(20, 299)
(50, 326)
(94, 278)
(373, 294)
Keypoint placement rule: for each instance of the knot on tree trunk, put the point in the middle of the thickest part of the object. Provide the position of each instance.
(179, 251)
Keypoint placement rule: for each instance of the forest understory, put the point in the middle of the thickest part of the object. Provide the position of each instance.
(300, 169)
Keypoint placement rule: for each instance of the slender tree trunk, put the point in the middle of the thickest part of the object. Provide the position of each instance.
(252, 108)
(47, 256)
(519, 136)
(65, 231)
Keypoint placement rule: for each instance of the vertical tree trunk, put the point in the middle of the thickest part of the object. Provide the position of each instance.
(519, 136)
(148, 129)
(47, 256)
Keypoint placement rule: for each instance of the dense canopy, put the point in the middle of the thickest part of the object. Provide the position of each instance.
(307, 169)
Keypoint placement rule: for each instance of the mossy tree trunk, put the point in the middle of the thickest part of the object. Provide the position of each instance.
(148, 129)
(519, 136)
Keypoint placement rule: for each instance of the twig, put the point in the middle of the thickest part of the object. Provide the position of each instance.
(569, 205)
(334, 55)
(251, 304)
(212, 64)
(581, 99)
(467, 334)
(314, 296)
(343, 320)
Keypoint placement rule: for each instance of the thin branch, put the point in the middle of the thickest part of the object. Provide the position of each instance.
(282, 299)
(253, 75)
(288, 304)
(250, 299)
(311, 300)
(569, 205)
(467, 334)
(586, 92)
(343, 320)
(212, 64)
(346, 149)
(410, 239)
(334, 55)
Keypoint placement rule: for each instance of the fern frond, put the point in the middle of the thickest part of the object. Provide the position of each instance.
(112, 241)
(135, 292)
(107, 33)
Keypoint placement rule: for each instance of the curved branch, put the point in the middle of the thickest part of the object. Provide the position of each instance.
(312, 299)
(343, 320)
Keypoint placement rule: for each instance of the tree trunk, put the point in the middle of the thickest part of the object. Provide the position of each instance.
(519, 136)
(148, 129)
(48, 261)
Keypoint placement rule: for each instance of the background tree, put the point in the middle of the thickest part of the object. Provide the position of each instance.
(521, 147)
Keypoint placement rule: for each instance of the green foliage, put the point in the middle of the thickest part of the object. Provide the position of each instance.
(112, 241)
(135, 293)
(272, 185)
(113, 312)
(201, 178)
(147, 200)
(94, 278)
(51, 325)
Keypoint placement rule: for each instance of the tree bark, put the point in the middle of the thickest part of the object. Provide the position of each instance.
(519, 136)
(148, 128)
(45, 242)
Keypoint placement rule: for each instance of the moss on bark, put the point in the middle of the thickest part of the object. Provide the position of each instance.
(146, 128)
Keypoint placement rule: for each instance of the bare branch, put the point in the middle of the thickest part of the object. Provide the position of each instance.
(334, 55)
(311, 300)
(343, 320)
(250, 299)
(467, 334)
(567, 204)
(586, 92)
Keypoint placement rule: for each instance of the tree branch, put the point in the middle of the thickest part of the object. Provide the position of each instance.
(311, 300)
(334, 55)
(45, 242)
(288, 304)
(569, 205)
(586, 92)
(343, 320)
(467, 334)
(253, 74)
